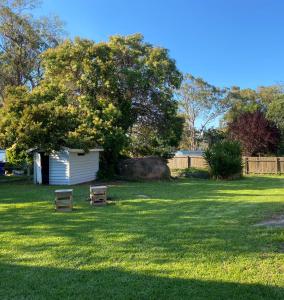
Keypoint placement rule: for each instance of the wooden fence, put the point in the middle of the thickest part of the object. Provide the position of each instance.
(252, 165)
(183, 162)
(263, 165)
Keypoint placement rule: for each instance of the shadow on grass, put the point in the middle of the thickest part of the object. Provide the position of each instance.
(26, 282)
(191, 215)
(171, 227)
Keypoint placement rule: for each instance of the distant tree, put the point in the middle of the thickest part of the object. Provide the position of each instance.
(275, 113)
(200, 104)
(240, 101)
(213, 136)
(250, 100)
(22, 39)
(256, 134)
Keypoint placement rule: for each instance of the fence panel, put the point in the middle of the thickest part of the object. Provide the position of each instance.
(178, 162)
(183, 162)
(262, 165)
(198, 162)
(281, 165)
(252, 165)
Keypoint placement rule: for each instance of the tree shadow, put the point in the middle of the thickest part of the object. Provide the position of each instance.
(29, 282)
(174, 228)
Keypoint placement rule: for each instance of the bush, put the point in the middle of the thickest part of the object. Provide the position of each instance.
(224, 160)
(17, 160)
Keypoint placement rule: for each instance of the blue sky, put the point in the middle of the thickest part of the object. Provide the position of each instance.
(227, 42)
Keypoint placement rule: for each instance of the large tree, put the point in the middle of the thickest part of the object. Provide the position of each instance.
(200, 104)
(22, 39)
(113, 88)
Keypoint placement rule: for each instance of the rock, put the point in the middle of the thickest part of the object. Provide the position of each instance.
(144, 168)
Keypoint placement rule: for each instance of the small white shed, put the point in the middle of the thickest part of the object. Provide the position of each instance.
(66, 167)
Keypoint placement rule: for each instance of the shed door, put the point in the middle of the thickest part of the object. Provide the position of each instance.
(37, 169)
(44, 168)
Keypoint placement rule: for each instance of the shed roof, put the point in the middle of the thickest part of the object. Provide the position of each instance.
(68, 150)
(81, 150)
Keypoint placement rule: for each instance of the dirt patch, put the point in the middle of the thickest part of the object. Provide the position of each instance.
(275, 221)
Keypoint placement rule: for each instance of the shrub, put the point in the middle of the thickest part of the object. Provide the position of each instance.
(224, 160)
(17, 160)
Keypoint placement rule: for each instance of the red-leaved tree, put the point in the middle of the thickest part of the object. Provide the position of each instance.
(256, 134)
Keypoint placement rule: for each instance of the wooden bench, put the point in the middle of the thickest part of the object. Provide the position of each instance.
(98, 195)
(64, 200)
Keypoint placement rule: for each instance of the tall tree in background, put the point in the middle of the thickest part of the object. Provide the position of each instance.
(22, 39)
(275, 113)
(256, 134)
(200, 104)
(250, 100)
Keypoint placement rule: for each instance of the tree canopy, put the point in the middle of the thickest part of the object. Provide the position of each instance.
(275, 112)
(95, 93)
(250, 100)
(200, 104)
(22, 39)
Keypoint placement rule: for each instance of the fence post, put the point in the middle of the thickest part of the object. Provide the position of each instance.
(188, 161)
(277, 165)
(246, 165)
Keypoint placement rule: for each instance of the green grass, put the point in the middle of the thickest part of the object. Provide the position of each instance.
(187, 239)
(11, 178)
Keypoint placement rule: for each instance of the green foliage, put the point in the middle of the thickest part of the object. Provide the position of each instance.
(96, 94)
(275, 113)
(248, 100)
(240, 101)
(16, 159)
(22, 39)
(127, 85)
(214, 135)
(148, 140)
(224, 160)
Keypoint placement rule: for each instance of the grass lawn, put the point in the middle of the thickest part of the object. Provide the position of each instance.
(8, 179)
(187, 239)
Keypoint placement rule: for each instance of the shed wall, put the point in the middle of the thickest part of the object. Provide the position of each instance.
(59, 169)
(83, 168)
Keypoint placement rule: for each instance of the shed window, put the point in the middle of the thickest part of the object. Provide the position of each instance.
(80, 154)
